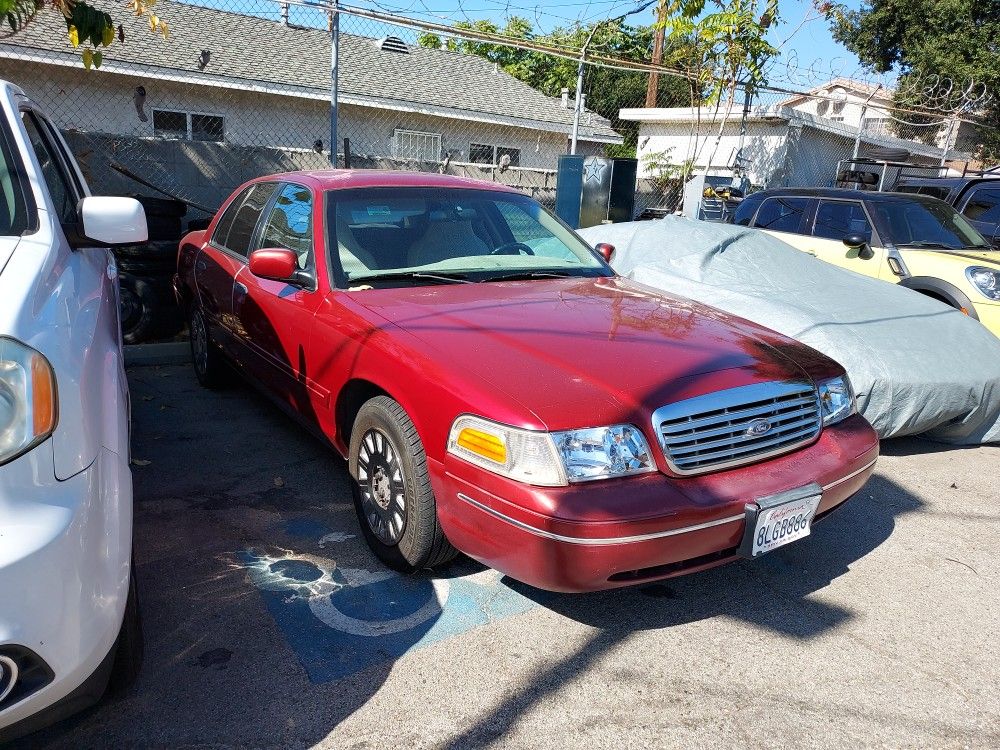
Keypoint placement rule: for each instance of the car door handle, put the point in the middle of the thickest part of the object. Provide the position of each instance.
(240, 290)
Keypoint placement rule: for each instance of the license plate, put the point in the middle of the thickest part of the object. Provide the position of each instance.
(777, 520)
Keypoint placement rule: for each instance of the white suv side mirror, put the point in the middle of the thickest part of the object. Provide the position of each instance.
(110, 220)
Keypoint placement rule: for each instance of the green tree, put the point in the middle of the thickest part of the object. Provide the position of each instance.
(87, 28)
(952, 39)
(723, 46)
(608, 90)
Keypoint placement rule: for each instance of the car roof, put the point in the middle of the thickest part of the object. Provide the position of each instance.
(846, 194)
(948, 181)
(346, 179)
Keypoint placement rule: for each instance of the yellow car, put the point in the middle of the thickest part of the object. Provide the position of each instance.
(913, 240)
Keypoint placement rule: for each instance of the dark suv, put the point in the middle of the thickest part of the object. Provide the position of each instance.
(975, 197)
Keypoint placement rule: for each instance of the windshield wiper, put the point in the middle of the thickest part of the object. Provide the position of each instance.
(518, 275)
(928, 243)
(442, 278)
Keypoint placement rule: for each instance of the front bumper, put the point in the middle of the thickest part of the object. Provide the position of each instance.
(622, 532)
(65, 551)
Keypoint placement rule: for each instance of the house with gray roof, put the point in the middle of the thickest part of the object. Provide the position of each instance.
(243, 80)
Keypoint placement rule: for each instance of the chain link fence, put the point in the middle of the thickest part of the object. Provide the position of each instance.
(242, 88)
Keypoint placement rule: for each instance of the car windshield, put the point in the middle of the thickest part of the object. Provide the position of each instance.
(926, 223)
(442, 235)
(14, 219)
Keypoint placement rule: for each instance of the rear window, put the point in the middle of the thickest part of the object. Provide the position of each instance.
(781, 214)
(246, 218)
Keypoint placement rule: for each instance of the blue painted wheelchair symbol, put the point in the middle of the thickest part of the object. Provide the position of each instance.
(341, 620)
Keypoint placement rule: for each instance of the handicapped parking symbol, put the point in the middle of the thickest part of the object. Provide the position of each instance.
(340, 620)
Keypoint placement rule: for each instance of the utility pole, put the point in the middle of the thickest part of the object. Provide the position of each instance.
(334, 61)
(654, 77)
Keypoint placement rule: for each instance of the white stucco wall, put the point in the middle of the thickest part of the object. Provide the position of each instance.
(96, 101)
(764, 146)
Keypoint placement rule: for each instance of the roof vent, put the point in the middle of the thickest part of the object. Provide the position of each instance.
(393, 44)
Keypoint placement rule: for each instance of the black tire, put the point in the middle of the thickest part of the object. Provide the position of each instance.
(160, 250)
(154, 206)
(209, 364)
(163, 229)
(383, 441)
(130, 645)
(139, 305)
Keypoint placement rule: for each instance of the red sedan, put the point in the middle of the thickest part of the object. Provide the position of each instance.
(497, 389)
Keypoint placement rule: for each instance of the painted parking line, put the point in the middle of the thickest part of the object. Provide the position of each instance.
(340, 620)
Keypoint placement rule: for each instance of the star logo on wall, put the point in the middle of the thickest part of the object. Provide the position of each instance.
(593, 171)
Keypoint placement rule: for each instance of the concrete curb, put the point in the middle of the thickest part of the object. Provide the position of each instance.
(148, 355)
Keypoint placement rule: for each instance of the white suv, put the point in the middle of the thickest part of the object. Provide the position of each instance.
(68, 612)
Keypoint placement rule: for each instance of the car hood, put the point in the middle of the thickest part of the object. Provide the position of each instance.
(990, 256)
(583, 352)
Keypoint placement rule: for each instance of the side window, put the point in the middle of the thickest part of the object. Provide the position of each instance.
(59, 183)
(781, 214)
(745, 211)
(984, 205)
(290, 223)
(226, 220)
(246, 218)
(837, 219)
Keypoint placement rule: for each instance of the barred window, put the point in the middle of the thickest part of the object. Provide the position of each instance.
(415, 144)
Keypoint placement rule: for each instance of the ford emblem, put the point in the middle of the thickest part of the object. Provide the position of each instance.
(759, 427)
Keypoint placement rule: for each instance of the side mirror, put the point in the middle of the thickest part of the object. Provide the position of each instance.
(278, 264)
(860, 243)
(605, 250)
(105, 220)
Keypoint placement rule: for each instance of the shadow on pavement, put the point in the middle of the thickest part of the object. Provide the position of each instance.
(772, 593)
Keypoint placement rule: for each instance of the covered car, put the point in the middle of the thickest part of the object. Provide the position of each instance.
(917, 365)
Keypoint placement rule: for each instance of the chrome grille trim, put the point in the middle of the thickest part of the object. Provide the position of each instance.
(709, 433)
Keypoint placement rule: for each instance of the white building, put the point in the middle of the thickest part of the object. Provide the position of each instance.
(797, 142)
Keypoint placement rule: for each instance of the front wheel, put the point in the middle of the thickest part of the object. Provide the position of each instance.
(392, 490)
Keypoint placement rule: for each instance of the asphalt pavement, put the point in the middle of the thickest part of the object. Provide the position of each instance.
(269, 624)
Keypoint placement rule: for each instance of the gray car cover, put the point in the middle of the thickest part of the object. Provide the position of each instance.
(918, 366)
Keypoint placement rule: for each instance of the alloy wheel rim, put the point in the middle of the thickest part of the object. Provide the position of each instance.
(199, 342)
(383, 489)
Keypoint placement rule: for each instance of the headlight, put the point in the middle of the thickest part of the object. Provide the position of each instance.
(986, 280)
(27, 399)
(550, 459)
(602, 452)
(836, 398)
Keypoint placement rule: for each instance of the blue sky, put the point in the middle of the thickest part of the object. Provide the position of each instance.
(810, 42)
(803, 36)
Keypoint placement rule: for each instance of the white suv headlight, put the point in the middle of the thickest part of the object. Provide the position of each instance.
(986, 280)
(836, 398)
(27, 399)
(551, 459)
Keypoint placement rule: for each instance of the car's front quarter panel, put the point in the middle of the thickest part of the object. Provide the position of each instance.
(353, 344)
(950, 268)
(64, 304)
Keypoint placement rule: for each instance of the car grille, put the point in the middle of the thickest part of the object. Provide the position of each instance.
(737, 426)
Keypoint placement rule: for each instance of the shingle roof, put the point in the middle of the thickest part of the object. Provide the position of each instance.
(251, 49)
